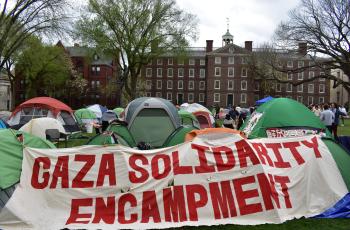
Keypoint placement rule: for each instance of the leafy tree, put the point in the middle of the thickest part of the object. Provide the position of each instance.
(324, 26)
(20, 19)
(135, 32)
(44, 68)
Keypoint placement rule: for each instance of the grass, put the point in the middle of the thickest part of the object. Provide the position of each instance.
(344, 130)
(297, 224)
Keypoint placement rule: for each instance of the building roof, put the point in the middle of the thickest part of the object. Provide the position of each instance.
(78, 51)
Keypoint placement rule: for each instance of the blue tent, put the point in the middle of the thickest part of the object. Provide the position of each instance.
(2, 124)
(262, 101)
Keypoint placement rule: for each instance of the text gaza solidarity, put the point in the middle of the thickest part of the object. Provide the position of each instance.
(224, 157)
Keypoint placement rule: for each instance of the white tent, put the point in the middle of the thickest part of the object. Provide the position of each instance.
(195, 107)
(38, 126)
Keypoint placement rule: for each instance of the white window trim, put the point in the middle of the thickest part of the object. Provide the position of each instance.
(189, 84)
(178, 84)
(171, 71)
(245, 98)
(228, 72)
(200, 71)
(229, 58)
(291, 88)
(219, 60)
(218, 97)
(324, 88)
(215, 84)
(170, 62)
(189, 71)
(200, 85)
(188, 97)
(246, 85)
(191, 61)
(167, 84)
(302, 88)
(161, 70)
(160, 84)
(178, 72)
(147, 69)
(201, 99)
(228, 85)
(246, 71)
(217, 75)
(308, 88)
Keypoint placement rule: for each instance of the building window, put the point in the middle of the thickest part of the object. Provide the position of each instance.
(231, 60)
(92, 84)
(300, 99)
(300, 64)
(243, 98)
(230, 84)
(148, 72)
(190, 97)
(310, 100)
(159, 72)
(180, 84)
(191, 72)
(311, 74)
(300, 88)
(169, 96)
(278, 87)
(289, 87)
(159, 61)
(190, 85)
(202, 73)
(321, 100)
(170, 61)
(202, 85)
(244, 72)
(217, 84)
(244, 60)
(180, 61)
(322, 74)
(217, 60)
(170, 72)
(180, 72)
(290, 64)
(290, 76)
(322, 88)
(202, 61)
(148, 84)
(217, 71)
(97, 84)
(191, 61)
(301, 76)
(158, 94)
(310, 88)
(159, 84)
(231, 71)
(216, 97)
(256, 86)
(201, 97)
(169, 84)
(243, 85)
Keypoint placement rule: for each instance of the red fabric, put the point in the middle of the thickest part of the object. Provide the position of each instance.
(49, 103)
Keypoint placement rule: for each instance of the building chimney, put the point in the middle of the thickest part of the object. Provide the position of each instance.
(302, 48)
(209, 47)
(248, 45)
(76, 45)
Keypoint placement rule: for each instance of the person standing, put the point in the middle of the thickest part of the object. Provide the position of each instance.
(337, 113)
(229, 122)
(343, 110)
(317, 111)
(327, 117)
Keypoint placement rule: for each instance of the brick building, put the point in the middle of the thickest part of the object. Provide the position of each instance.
(221, 76)
(99, 71)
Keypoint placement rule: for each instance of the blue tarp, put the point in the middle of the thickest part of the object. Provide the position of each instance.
(340, 210)
(262, 101)
(345, 142)
(2, 124)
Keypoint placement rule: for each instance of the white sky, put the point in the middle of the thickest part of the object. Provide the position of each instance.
(250, 20)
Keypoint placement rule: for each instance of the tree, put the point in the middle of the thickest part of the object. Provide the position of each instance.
(45, 69)
(20, 19)
(135, 32)
(324, 25)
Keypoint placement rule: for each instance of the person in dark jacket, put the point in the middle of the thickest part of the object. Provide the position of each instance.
(337, 113)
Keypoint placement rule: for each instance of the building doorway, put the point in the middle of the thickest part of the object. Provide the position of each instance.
(229, 100)
(180, 98)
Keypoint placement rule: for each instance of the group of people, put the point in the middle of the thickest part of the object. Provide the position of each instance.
(330, 115)
(232, 117)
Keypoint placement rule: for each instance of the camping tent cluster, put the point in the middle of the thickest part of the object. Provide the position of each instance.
(149, 123)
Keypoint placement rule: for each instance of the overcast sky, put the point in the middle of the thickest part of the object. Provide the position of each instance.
(250, 20)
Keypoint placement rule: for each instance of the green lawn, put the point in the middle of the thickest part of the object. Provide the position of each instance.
(344, 130)
(299, 224)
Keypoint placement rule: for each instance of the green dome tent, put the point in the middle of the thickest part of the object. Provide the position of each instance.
(188, 118)
(118, 111)
(282, 113)
(11, 151)
(287, 114)
(84, 114)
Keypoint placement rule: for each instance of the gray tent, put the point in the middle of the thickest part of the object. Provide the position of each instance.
(151, 120)
(109, 115)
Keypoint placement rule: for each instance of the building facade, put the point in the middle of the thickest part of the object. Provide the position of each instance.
(339, 94)
(222, 76)
(97, 69)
